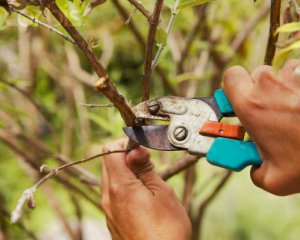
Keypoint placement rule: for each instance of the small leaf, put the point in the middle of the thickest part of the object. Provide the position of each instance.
(161, 36)
(281, 56)
(192, 3)
(289, 27)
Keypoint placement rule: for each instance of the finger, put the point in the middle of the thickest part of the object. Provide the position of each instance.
(266, 177)
(117, 170)
(258, 73)
(287, 73)
(237, 85)
(138, 160)
(258, 174)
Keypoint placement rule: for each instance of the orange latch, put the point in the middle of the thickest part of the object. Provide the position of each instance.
(222, 130)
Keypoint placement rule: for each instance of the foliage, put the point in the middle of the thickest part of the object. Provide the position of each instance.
(56, 78)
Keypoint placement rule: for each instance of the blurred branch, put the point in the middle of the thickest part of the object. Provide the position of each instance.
(78, 213)
(189, 181)
(197, 220)
(274, 24)
(201, 15)
(33, 162)
(52, 29)
(141, 8)
(154, 21)
(5, 214)
(39, 108)
(58, 210)
(247, 29)
(179, 166)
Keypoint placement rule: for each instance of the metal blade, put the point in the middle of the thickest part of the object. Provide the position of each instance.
(155, 137)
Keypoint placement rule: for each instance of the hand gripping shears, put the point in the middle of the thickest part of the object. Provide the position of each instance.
(194, 125)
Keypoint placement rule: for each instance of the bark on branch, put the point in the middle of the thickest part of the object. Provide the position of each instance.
(104, 84)
(274, 24)
(154, 21)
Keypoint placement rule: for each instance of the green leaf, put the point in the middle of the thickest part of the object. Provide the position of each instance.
(169, 3)
(192, 3)
(161, 36)
(289, 27)
(281, 56)
(72, 11)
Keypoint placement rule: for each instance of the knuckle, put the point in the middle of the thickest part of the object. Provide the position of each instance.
(116, 190)
(267, 77)
(229, 73)
(253, 103)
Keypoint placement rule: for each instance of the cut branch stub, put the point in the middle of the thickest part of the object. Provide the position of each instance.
(105, 86)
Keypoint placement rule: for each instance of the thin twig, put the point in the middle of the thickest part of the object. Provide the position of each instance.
(274, 24)
(141, 8)
(89, 105)
(28, 194)
(56, 170)
(168, 30)
(154, 21)
(52, 29)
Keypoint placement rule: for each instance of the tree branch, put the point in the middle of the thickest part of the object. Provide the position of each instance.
(141, 8)
(274, 24)
(52, 29)
(104, 84)
(137, 34)
(154, 21)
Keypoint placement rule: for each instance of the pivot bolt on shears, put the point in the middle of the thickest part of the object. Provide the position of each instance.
(194, 125)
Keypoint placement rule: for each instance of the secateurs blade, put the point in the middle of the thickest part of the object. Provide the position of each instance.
(194, 125)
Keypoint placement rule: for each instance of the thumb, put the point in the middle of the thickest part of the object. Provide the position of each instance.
(138, 161)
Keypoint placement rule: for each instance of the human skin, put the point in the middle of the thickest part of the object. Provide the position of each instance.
(268, 106)
(137, 203)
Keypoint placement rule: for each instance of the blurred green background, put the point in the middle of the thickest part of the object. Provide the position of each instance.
(44, 80)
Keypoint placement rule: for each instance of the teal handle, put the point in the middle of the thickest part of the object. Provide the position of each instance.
(223, 102)
(233, 154)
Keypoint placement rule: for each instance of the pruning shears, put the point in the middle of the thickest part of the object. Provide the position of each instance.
(194, 125)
